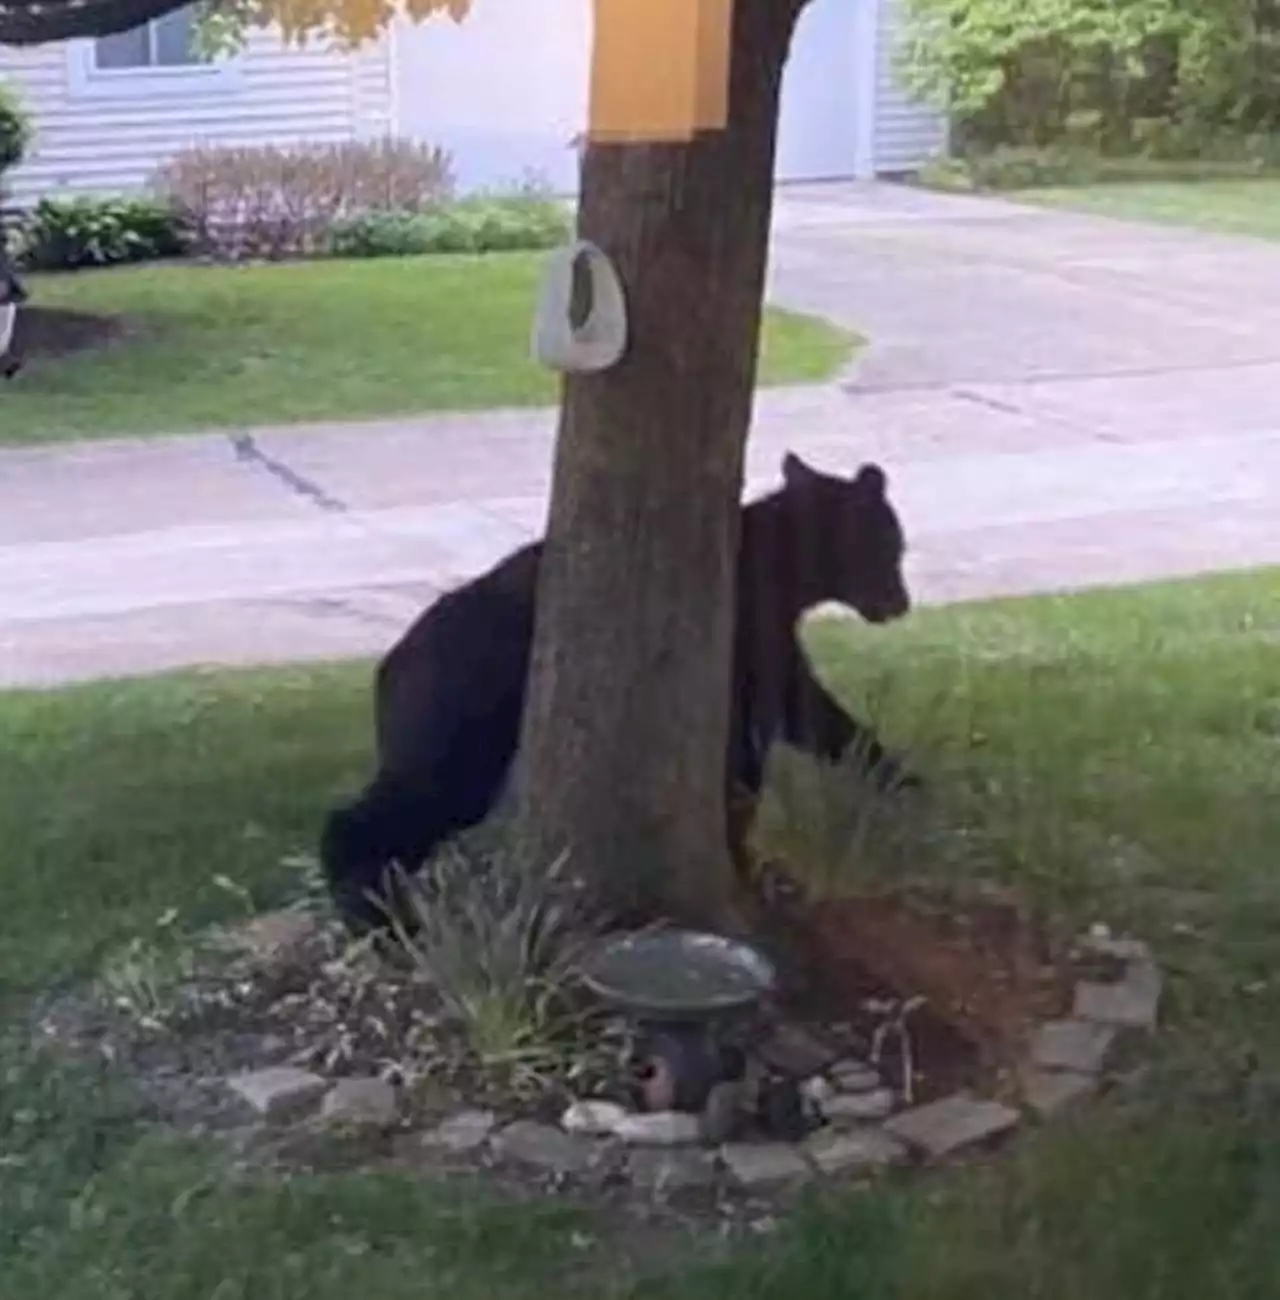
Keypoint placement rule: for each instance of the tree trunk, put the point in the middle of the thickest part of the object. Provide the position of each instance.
(622, 760)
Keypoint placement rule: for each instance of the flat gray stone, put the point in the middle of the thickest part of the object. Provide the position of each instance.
(1050, 1092)
(593, 1118)
(466, 1131)
(1118, 949)
(1130, 1003)
(723, 1113)
(861, 1107)
(279, 1092)
(1079, 1045)
(361, 1101)
(855, 1076)
(794, 1051)
(663, 1128)
(756, 1163)
(953, 1123)
(818, 1089)
(545, 1147)
(836, 1152)
(660, 1171)
(273, 937)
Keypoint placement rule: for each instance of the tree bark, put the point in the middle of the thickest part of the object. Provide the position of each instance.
(622, 759)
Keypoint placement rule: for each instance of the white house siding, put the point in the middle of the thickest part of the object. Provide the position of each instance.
(817, 125)
(907, 133)
(506, 91)
(109, 143)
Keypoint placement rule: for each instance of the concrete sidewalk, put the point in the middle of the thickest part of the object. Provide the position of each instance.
(1128, 427)
(214, 575)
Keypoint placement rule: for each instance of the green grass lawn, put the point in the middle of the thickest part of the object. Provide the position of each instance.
(1229, 207)
(1117, 753)
(221, 347)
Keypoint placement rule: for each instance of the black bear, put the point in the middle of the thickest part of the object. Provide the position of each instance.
(449, 694)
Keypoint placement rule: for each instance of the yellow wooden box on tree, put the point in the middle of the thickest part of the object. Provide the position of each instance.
(659, 70)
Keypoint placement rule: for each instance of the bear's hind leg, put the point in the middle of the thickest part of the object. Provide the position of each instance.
(388, 826)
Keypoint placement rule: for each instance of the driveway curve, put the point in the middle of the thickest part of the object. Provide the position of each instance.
(957, 290)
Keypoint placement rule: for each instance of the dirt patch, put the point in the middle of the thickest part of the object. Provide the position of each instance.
(978, 977)
(57, 332)
(984, 969)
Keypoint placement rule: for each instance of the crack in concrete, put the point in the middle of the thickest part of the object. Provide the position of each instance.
(247, 452)
(1080, 428)
(991, 403)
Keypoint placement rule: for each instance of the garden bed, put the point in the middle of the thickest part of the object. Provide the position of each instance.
(59, 332)
(905, 1039)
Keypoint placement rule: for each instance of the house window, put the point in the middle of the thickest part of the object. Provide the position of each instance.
(166, 42)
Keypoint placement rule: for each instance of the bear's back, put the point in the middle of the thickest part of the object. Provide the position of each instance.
(463, 660)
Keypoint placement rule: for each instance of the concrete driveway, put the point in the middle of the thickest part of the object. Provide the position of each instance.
(1059, 400)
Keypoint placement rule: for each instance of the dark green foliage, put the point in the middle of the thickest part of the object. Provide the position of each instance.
(1169, 78)
(15, 129)
(67, 234)
(1026, 167)
(486, 225)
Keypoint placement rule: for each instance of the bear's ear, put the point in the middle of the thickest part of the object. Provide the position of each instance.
(794, 471)
(872, 480)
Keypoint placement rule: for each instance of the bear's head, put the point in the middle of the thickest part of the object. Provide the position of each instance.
(850, 539)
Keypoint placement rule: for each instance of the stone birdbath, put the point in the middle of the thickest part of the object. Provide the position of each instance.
(691, 998)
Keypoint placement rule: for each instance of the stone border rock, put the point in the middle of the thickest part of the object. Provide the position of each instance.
(862, 1127)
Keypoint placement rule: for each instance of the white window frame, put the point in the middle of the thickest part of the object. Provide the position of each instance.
(86, 80)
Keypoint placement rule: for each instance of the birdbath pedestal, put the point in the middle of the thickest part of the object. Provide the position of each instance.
(691, 996)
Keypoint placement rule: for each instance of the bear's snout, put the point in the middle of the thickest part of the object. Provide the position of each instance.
(886, 607)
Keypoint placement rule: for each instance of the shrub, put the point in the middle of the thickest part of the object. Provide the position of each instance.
(487, 225)
(273, 202)
(378, 234)
(499, 936)
(15, 130)
(1094, 72)
(65, 234)
(1010, 168)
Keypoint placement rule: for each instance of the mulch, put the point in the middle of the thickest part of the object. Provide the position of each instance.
(58, 332)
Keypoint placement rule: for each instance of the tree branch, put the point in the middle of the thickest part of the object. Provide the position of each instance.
(42, 21)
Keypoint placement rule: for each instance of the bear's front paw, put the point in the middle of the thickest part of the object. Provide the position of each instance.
(891, 777)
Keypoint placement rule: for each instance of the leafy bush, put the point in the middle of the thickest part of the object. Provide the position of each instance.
(64, 234)
(15, 130)
(1012, 168)
(1095, 73)
(274, 202)
(1015, 168)
(485, 225)
(380, 234)
(499, 937)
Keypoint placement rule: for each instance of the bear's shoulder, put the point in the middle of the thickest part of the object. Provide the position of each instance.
(496, 604)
